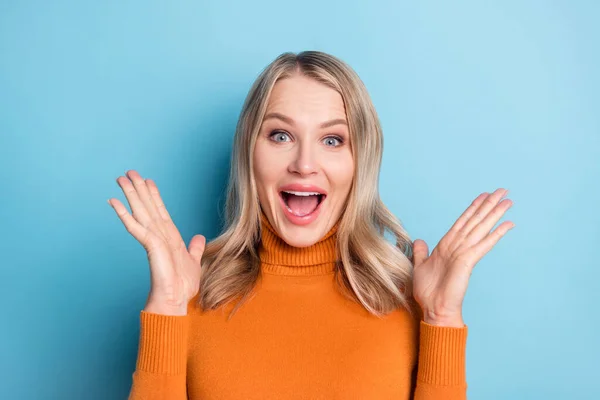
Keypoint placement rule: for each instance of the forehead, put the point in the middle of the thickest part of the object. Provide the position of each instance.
(303, 98)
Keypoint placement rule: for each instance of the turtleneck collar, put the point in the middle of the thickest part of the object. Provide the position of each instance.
(279, 258)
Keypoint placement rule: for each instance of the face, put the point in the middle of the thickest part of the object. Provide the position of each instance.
(303, 162)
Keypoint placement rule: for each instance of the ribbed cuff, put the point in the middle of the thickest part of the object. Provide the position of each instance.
(163, 343)
(442, 355)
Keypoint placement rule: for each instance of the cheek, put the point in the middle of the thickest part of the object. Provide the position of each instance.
(341, 172)
(265, 166)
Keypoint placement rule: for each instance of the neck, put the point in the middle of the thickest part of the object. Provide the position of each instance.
(278, 257)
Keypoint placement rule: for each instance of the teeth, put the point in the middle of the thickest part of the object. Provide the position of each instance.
(303, 193)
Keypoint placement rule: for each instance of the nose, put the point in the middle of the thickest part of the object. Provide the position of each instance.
(304, 161)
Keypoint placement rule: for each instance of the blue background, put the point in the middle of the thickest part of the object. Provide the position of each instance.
(472, 95)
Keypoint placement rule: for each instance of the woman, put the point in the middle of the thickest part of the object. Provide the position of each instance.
(325, 307)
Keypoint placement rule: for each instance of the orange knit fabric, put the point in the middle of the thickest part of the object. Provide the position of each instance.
(297, 338)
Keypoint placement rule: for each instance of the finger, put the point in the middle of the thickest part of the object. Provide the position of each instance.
(138, 210)
(420, 252)
(170, 227)
(462, 220)
(475, 217)
(485, 245)
(134, 227)
(489, 203)
(158, 202)
(196, 247)
(483, 228)
(144, 194)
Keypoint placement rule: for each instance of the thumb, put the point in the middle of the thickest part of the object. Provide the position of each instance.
(196, 247)
(420, 251)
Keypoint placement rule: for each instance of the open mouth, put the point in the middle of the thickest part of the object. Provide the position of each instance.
(302, 204)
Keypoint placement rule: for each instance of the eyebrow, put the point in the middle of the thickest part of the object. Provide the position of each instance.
(275, 115)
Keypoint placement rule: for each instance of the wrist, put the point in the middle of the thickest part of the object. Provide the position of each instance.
(160, 308)
(445, 322)
(450, 319)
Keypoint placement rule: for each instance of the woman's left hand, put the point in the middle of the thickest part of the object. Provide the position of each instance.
(440, 280)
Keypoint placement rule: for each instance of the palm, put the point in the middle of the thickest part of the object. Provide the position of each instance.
(176, 274)
(440, 280)
(174, 269)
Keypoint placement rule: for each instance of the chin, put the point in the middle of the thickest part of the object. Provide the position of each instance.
(304, 238)
(300, 235)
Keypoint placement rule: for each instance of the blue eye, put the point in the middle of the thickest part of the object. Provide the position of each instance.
(277, 135)
(329, 139)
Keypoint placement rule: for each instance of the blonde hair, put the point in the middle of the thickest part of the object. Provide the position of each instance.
(371, 270)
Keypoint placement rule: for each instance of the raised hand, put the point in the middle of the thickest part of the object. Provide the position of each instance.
(174, 269)
(440, 280)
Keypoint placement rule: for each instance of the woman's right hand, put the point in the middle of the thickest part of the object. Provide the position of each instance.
(174, 269)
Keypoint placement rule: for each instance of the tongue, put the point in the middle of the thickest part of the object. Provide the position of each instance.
(302, 205)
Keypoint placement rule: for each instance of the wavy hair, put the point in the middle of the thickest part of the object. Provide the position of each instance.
(371, 270)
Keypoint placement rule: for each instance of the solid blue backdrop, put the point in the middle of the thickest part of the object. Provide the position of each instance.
(472, 95)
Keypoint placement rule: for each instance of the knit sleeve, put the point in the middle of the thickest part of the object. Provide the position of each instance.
(441, 371)
(162, 358)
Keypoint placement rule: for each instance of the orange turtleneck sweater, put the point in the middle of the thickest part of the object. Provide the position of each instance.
(297, 338)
